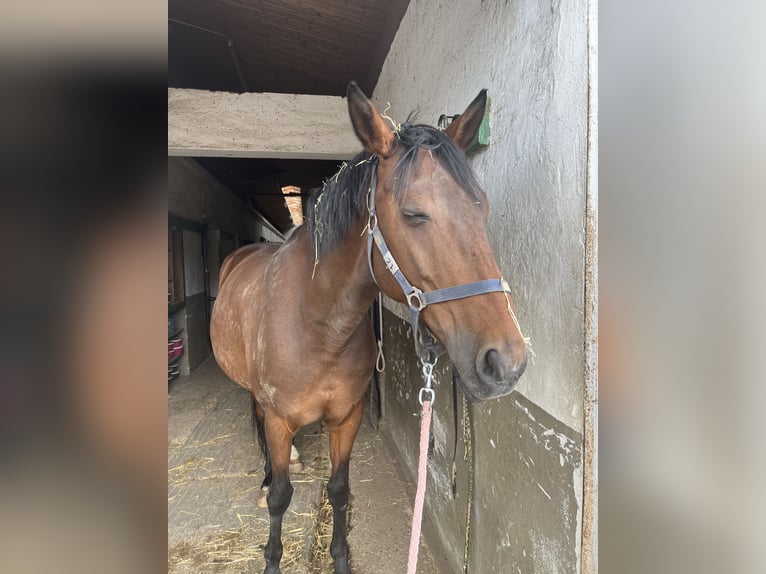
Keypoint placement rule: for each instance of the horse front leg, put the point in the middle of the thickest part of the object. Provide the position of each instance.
(279, 439)
(341, 442)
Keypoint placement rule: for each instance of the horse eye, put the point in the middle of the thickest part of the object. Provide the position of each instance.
(415, 216)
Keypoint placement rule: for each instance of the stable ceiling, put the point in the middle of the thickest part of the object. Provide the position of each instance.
(284, 46)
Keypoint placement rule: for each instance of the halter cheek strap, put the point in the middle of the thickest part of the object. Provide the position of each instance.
(426, 344)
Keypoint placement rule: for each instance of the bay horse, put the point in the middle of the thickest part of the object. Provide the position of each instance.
(291, 324)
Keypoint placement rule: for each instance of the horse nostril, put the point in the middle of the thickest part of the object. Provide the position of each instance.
(493, 370)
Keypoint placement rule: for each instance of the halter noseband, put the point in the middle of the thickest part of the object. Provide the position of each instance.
(426, 344)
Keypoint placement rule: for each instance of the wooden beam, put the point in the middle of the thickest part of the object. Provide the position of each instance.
(267, 125)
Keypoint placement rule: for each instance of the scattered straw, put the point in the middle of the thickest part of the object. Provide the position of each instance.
(527, 340)
(190, 464)
(396, 126)
(180, 474)
(211, 442)
(321, 560)
(368, 160)
(240, 549)
(317, 233)
(236, 546)
(343, 166)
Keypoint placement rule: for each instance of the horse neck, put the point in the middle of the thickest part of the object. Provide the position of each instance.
(341, 290)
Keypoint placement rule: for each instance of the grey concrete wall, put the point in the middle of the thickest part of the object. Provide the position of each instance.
(194, 194)
(533, 59)
(298, 126)
(264, 230)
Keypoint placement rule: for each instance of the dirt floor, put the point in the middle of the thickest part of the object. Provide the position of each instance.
(214, 474)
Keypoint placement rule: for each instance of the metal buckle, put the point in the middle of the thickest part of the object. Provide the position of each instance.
(390, 262)
(416, 295)
(429, 392)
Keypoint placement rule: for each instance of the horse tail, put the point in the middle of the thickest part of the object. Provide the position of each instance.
(258, 428)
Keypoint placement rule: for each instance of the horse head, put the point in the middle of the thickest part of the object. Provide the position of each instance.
(433, 215)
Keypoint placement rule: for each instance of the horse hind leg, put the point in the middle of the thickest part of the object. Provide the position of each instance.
(341, 442)
(279, 439)
(295, 460)
(260, 432)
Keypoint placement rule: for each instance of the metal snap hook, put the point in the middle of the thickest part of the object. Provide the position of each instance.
(428, 373)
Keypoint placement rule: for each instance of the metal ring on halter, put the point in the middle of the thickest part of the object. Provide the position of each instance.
(431, 397)
(416, 294)
(372, 223)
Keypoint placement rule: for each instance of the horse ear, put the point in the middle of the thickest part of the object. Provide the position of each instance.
(370, 128)
(464, 127)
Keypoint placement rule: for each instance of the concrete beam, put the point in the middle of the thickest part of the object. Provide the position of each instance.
(288, 126)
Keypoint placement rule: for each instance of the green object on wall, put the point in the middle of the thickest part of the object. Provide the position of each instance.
(481, 139)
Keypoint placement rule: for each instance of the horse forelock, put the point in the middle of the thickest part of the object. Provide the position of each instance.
(416, 137)
(341, 202)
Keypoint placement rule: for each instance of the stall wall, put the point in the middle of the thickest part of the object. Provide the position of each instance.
(532, 57)
(193, 194)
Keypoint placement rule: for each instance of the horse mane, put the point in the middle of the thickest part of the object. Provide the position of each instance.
(342, 201)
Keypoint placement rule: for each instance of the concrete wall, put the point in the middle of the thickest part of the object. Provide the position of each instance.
(266, 231)
(533, 58)
(297, 126)
(195, 195)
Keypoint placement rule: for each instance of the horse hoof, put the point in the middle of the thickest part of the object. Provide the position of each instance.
(342, 567)
(263, 498)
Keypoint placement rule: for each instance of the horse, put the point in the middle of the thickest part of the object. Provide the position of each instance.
(291, 324)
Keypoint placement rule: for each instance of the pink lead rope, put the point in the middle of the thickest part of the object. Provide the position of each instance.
(426, 398)
(420, 494)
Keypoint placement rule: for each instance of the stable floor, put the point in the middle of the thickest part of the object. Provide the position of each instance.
(214, 474)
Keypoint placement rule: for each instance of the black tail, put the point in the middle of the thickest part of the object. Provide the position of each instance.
(258, 430)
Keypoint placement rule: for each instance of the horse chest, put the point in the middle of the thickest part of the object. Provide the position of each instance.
(305, 390)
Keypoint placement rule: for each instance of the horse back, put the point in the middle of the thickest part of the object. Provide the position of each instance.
(239, 275)
(236, 257)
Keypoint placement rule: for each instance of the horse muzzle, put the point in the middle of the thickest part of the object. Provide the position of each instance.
(494, 373)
